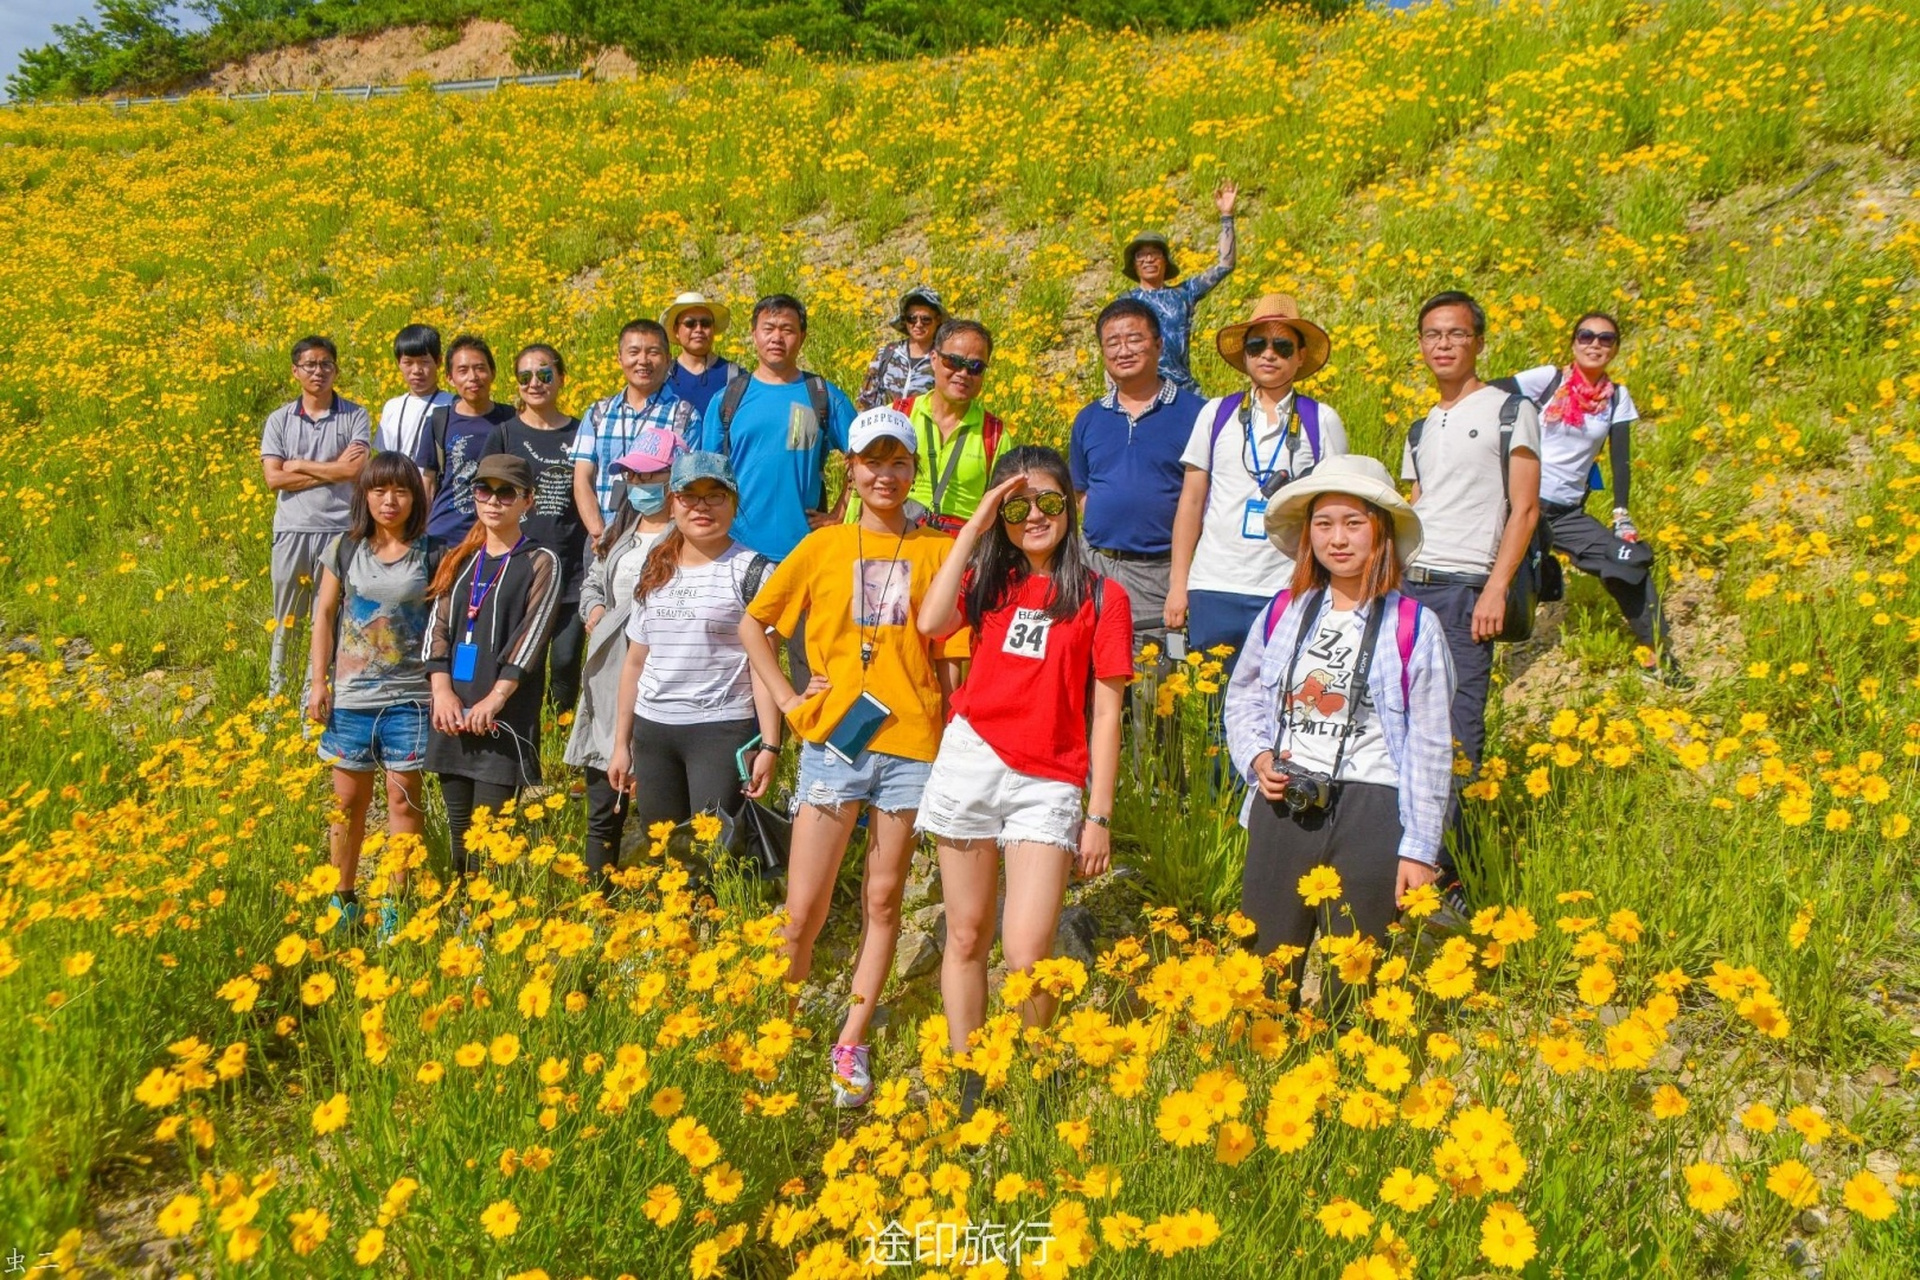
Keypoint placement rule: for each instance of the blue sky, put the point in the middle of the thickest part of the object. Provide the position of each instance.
(27, 23)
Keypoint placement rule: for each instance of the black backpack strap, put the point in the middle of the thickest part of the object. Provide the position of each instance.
(822, 406)
(1413, 444)
(1509, 414)
(437, 420)
(756, 576)
(730, 399)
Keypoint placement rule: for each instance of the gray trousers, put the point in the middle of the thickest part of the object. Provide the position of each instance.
(1145, 582)
(296, 568)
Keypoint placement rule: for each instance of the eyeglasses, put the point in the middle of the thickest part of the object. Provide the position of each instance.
(1445, 337)
(1125, 342)
(696, 322)
(487, 493)
(317, 366)
(716, 497)
(1587, 337)
(1017, 510)
(1282, 347)
(961, 364)
(543, 375)
(919, 319)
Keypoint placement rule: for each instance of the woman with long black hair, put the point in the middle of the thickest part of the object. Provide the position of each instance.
(1039, 712)
(495, 596)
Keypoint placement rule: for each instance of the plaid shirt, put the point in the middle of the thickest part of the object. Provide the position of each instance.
(1419, 734)
(894, 374)
(609, 427)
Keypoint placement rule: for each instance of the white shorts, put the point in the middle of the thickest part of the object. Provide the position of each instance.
(973, 795)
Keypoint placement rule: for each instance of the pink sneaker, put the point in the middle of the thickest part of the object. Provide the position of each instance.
(852, 1075)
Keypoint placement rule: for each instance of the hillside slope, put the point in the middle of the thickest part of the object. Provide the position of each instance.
(1708, 905)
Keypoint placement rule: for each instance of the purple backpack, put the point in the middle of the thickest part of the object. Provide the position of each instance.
(1406, 630)
(1306, 408)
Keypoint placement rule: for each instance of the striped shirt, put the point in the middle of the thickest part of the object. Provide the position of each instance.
(696, 669)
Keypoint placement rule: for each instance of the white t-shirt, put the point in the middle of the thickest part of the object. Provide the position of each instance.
(631, 564)
(403, 419)
(1463, 508)
(1318, 708)
(1234, 553)
(696, 669)
(1567, 453)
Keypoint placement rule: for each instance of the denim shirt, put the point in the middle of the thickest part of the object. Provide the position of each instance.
(1417, 726)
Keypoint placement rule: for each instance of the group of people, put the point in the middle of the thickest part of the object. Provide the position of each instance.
(959, 625)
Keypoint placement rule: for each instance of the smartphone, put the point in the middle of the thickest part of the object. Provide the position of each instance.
(857, 727)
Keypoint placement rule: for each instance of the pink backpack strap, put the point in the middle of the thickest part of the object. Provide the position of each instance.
(1276, 607)
(1406, 630)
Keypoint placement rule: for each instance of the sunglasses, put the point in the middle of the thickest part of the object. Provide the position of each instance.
(696, 322)
(919, 318)
(1586, 336)
(1051, 504)
(961, 364)
(1282, 347)
(543, 375)
(487, 493)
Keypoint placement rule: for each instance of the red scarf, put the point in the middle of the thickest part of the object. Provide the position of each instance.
(1578, 398)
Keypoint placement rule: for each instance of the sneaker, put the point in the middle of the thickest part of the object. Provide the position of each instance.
(389, 923)
(349, 911)
(852, 1075)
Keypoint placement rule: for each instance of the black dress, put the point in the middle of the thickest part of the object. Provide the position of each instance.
(510, 638)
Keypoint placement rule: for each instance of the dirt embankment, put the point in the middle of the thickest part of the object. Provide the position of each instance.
(483, 48)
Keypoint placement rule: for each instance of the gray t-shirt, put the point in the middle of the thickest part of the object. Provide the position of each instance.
(382, 626)
(290, 433)
(1463, 500)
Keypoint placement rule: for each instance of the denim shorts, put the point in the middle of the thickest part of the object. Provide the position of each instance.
(392, 738)
(974, 795)
(891, 784)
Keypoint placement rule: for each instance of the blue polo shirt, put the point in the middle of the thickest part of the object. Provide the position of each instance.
(698, 388)
(1130, 468)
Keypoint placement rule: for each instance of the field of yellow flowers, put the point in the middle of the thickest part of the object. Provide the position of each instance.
(1685, 1041)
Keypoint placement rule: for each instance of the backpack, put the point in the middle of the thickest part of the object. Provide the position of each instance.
(1511, 385)
(756, 577)
(1406, 630)
(991, 430)
(1305, 407)
(736, 391)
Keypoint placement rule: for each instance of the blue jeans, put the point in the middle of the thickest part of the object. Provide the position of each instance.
(1222, 618)
(392, 738)
(891, 784)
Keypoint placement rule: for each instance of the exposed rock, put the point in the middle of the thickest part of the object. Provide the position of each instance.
(916, 955)
(1077, 936)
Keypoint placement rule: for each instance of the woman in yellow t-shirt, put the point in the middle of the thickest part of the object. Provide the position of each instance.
(870, 719)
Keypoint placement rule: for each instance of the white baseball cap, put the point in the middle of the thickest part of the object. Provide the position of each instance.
(881, 423)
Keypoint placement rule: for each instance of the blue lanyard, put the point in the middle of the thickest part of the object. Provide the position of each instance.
(477, 600)
(1262, 474)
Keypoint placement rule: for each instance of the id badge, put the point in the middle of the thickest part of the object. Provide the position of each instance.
(465, 658)
(1253, 521)
(1027, 634)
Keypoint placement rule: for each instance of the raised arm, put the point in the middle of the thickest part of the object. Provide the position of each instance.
(940, 613)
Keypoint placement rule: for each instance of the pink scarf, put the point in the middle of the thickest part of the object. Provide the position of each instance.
(1577, 399)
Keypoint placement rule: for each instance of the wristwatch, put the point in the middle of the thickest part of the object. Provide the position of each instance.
(1099, 819)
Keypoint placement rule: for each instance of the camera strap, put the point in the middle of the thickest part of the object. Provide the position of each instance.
(1356, 688)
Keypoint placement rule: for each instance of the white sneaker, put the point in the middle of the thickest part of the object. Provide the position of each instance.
(852, 1075)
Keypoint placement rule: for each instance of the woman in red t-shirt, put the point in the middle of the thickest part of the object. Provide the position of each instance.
(1039, 712)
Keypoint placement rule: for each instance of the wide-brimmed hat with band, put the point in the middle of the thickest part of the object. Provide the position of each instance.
(670, 318)
(1277, 308)
(926, 296)
(1356, 475)
(1148, 239)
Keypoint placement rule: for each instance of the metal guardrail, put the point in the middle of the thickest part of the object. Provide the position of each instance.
(361, 93)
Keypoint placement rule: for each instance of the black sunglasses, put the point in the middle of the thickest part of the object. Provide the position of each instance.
(544, 374)
(915, 319)
(1596, 335)
(961, 364)
(481, 489)
(697, 322)
(1282, 347)
(1016, 510)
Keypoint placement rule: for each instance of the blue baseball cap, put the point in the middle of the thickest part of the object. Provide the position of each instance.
(701, 465)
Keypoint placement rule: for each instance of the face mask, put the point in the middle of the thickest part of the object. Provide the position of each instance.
(647, 499)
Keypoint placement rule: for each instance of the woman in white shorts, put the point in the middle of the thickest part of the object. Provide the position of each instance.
(1039, 711)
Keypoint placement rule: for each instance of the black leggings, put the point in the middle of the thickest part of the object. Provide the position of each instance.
(1359, 837)
(606, 821)
(463, 796)
(566, 651)
(684, 769)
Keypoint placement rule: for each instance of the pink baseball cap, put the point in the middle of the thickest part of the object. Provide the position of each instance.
(653, 450)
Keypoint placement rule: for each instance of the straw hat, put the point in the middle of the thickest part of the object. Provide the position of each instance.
(1353, 474)
(688, 302)
(1280, 308)
(1145, 240)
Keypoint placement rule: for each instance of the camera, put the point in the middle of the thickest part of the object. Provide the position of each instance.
(1306, 790)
